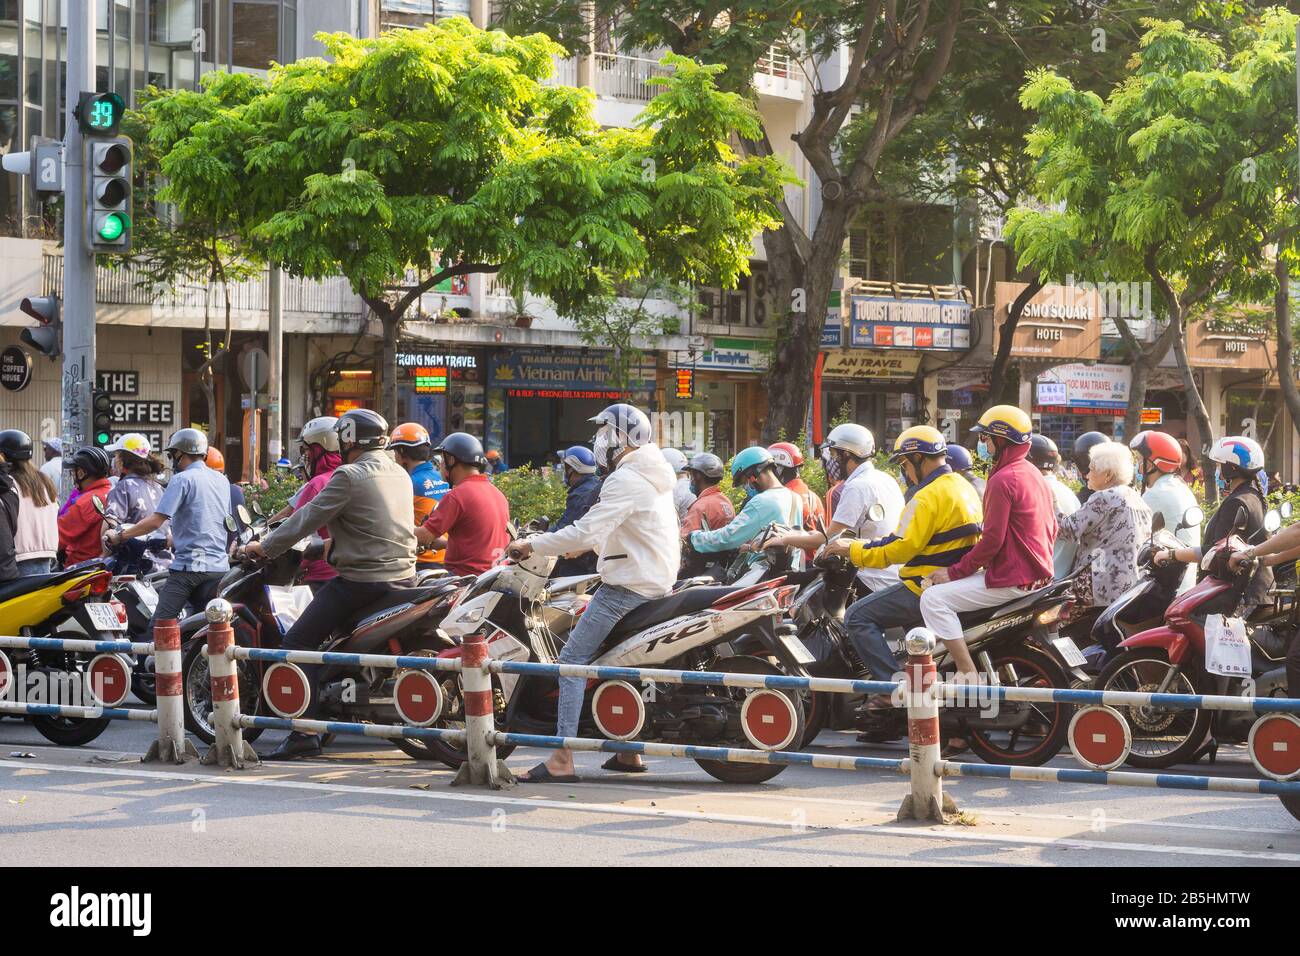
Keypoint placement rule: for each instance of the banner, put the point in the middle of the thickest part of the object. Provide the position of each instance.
(860, 365)
(882, 322)
(1075, 386)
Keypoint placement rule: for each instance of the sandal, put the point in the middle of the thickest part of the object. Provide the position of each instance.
(540, 774)
(954, 747)
(613, 763)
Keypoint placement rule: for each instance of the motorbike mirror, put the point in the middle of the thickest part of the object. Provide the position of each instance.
(99, 504)
(1192, 517)
(1272, 521)
(244, 516)
(876, 512)
(1158, 522)
(230, 524)
(1240, 524)
(1286, 509)
(257, 509)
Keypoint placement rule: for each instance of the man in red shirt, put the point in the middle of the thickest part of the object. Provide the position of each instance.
(470, 520)
(81, 526)
(711, 509)
(1015, 552)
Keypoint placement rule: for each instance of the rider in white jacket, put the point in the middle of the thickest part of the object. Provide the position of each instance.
(632, 527)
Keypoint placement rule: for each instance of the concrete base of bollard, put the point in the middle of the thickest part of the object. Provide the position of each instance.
(497, 777)
(224, 755)
(170, 751)
(913, 810)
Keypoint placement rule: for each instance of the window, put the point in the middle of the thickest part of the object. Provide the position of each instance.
(903, 244)
(255, 33)
(412, 14)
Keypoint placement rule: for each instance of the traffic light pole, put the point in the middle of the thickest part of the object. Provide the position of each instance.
(78, 259)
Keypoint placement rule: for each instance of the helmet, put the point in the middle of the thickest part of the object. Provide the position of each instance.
(1043, 453)
(94, 461)
(189, 441)
(1083, 448)
(132, 442)
(465, 448)
(622, 426)
(707, 464)
(580, 459)
(215, 460)
(409, 435)
(854, 439)
(920, 440)
(676, 460)
(361, 428)
(493, 454)
(320, 431)
(751, 459)
(1162, 450)
(786, 454)
(959, 458)
(1243, 453)
(15, 445)
(1005, 421)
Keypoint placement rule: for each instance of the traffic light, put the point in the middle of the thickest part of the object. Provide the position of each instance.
(108, 194)
(45, 337)
(98, 114)
(101, 413)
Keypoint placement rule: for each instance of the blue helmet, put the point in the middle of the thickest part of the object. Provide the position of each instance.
(751, 459)
(959, 458)
(580, 459)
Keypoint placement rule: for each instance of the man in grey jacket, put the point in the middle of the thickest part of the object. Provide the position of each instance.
(368, 509)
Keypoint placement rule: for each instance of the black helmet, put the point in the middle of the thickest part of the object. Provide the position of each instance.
(1043, 452)
(464, 448)
(15, 445)
(362, 428)
(93, 461)
(1083, 446)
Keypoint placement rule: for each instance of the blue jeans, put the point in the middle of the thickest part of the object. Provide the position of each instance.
(608, 606)
(867, 619)
(35, 566)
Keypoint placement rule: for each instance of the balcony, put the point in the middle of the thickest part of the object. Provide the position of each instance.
(777, 75)
(627, 78)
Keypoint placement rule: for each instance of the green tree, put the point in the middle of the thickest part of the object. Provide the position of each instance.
(441, 152)
(1183, 176)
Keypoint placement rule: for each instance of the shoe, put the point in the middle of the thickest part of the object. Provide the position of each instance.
(294, 746)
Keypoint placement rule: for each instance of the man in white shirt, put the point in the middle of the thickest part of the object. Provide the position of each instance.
(851, 446)
(53, 467)
(1160, 459)
(683, 497)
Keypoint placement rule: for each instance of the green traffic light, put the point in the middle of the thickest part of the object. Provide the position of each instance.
(102, 438)
(112, 226)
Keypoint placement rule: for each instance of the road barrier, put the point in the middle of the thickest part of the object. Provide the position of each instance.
(107, 679)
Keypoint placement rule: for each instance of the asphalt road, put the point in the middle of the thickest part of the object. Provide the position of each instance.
(363, 804)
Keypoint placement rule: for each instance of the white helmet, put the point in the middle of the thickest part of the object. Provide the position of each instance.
(676, 460)
(854, 439)
(1244, 453)
(320, 431)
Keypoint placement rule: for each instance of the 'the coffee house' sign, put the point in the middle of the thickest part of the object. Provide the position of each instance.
(1060, 321)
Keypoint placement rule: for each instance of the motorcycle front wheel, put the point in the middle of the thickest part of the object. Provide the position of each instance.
(1043, 734)
(454, 719)
(1162, 737)
(751, 772)
(196, 682)
(1292, 805)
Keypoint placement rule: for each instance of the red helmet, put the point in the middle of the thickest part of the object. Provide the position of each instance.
(1159, 448)
(786, 454)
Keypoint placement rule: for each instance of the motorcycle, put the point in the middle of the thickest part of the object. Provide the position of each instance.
(1170, 659)
(525, 617)
(1014, 644)
(73, 603)
(404, 622)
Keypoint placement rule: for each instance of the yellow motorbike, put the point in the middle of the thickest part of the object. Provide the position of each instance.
(76, 604)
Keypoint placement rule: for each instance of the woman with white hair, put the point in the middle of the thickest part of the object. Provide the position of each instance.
(1109, 529)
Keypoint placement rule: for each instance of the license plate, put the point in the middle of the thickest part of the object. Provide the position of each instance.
(1070, 652)
(104, 618)
(797, 649)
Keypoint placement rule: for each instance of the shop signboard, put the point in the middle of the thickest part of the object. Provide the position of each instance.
(1215, 344)
(542, 373)
(859, 365)
(685, 383)
(833, 329)
(1153, 416)
(1079, 387)
(882, 322)
(1060, 320)
(726, 355)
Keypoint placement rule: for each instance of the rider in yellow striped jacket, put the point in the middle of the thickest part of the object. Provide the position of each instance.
(940, 523)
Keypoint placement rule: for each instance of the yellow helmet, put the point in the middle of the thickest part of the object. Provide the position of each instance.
(920, 440)
(1006, 421)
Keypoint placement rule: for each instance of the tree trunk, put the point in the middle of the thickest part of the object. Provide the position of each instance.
(790, 377)
(392, 325)
(1285, 341)
(1137, 397)
(1193, 396)
(998, 378)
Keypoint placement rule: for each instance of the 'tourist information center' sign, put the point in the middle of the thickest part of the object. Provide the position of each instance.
(882, 322)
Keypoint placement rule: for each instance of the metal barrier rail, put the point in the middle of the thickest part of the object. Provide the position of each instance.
(1122, 698)
(387, 731)
(332, 657)
(85, 713)
(1122, 778)
(76, 646)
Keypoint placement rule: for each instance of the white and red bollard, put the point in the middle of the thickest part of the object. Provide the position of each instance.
(172, 745)
(482, 768)
(927, 801)
(229, 749)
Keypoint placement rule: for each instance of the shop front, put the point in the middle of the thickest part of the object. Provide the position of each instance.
(963, 393)
(1241, 391)
(713, 400)
(877, 389)
(539, 401)
(1076, 398)
(442, 390)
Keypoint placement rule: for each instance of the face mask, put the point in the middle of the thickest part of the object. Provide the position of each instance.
(982, 450)
(600, 448)
(831, 464)
(695, 489)
(1219, 482)
(750, 490)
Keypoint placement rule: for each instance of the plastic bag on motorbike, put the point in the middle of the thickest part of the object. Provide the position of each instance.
(287, 603)
(1227, 651)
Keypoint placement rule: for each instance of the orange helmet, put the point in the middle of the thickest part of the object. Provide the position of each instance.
(786, 454)
(1161, 449)
(409, 435)
(215, 460)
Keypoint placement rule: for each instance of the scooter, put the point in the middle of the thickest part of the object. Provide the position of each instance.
(525, 617)
(1170, 659)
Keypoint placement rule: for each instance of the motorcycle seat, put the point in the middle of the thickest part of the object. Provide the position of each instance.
(417, 595)
(658, 610)
(31, 583)
(986, 614)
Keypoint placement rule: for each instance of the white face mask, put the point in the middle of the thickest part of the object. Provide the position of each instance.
(600, 447)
